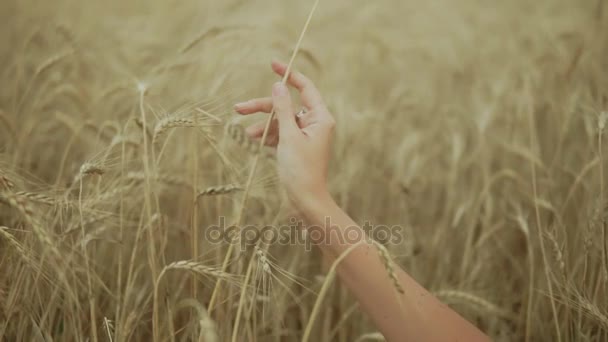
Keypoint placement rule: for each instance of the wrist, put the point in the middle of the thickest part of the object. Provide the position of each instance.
(315, 206)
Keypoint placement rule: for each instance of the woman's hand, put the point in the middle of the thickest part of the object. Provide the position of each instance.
(302, 142)
(303, 146)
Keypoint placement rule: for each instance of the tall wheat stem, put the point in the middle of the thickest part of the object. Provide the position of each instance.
(539, 227)
(240, 216)
(88, 266)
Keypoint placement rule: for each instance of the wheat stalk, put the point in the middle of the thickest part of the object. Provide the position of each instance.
(47, 64)
(5, 182)
(531, 130)
(110, 194)
(375, 336)
(13, 242)
(208, 331)
(192, 266)
(324, 288)
(256, 159)
(261, 255)
(237, 133)
(146, 131)
(108, 326)
(164, 178)
(8, 124)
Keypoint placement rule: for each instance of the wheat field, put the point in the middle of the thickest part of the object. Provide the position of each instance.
(475, 125)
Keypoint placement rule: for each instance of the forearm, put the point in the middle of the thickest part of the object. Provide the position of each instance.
(414, 315)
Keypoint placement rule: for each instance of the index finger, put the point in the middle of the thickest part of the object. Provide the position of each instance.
(309, 94)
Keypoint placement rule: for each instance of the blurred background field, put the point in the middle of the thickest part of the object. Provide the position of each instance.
(476, 125)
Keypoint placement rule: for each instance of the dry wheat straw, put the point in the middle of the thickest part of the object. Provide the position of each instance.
(163, 178)
(252, 175)
(261, 255)
(208, 328)
(91, 168)
(87, 222)
(539, 227)
(559, 256)
(126, 140)
(20, 249)
(198, 268)
(127, 327)
(140, 124)
(167, 123)
(219, 190)
(108, 326)
(237, 133)
(52, 61)
(5, 182)
(191, 266)
(47, 64)
(37, 197)
(601, 125)
(593, 311)
(110, 194)
(213, 31)
(375, 336)
(254, 167)
(388, 265)
(211, 116)
(328, 281)
(8, 124)
(455, 296)
(20, 203)
(85, 253)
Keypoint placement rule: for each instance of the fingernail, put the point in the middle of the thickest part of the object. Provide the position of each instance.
(279, 89)
(239, 105)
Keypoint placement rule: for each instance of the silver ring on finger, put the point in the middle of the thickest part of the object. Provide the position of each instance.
(301, 113)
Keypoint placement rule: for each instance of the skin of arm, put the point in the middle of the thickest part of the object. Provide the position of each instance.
(303, 148)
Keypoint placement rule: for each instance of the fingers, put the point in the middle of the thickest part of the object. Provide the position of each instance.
(283, 109)
(256, 130)
(254, 106)
(311, 97)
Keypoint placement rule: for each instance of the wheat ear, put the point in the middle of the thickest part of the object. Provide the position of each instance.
(17, 246)
(388, 265)
(219, 190)
(19, 203)
(37, 197)
(451, 296)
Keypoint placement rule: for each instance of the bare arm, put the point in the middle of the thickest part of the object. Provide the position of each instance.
(303, 145)
(415, 315)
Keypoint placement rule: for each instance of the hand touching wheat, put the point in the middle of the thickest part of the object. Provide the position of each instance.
(302, 142)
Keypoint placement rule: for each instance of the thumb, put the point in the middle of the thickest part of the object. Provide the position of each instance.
(282, 106)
